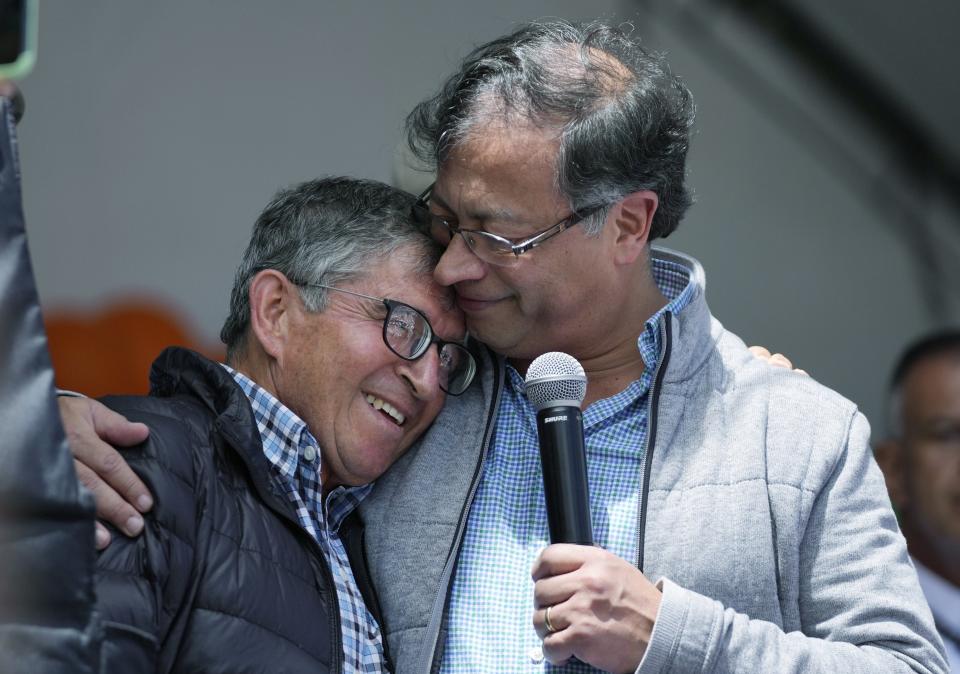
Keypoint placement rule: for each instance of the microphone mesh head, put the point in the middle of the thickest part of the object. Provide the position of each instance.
(555, 378)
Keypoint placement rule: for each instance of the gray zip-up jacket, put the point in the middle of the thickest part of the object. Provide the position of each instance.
(763, 514)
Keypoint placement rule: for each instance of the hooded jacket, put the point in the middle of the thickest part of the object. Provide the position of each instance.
(762, 512)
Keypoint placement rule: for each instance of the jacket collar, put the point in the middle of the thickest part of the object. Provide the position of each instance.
(181, 371)
(178, 371)
(695, 332)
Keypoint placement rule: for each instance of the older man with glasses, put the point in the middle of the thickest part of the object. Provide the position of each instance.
(257, 464)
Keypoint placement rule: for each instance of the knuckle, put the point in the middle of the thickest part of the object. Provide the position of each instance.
(107, 507)
(575, 631)
(586, 610)
(111, 462)
(115, 509)
(110, 506)
(594, 582)
(77, 440)
(131, 486)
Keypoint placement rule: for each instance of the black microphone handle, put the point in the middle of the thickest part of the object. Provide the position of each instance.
(564, 464)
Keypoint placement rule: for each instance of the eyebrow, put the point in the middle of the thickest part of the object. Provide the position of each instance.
(481, 215)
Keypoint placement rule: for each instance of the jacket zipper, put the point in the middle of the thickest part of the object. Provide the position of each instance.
(281, 507)
(336, 638)
(653, 409)
(430, 659)
(336, 634)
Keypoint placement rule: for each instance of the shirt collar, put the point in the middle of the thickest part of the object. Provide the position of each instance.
(287, 443)
(284, 435)
(673, 280)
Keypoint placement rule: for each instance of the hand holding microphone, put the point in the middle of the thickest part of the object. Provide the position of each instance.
(611, 603)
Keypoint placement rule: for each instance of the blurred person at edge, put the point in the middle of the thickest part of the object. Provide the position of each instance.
(920, 459)
(740, 519)
(258, 464)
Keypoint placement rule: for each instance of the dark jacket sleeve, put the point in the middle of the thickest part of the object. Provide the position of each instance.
(146, 585)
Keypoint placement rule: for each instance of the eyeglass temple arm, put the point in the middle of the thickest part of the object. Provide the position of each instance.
(519, 249)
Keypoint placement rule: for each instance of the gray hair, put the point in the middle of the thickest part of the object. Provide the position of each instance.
(325, 231)
(624, 119)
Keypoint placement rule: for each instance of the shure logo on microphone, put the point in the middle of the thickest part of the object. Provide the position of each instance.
(550, 420)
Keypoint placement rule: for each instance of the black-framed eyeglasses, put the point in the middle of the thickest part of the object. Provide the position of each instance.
(490, 248)
(408, 334)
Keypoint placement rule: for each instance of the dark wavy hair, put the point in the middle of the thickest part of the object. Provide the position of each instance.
(624, 118)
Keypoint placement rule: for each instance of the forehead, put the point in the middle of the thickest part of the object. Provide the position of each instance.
(933, 383)
(401, 276)
(505, 143)
(499, 159)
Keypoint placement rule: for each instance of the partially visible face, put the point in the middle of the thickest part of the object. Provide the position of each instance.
(503, 180)
(931, 418)
(336, 363)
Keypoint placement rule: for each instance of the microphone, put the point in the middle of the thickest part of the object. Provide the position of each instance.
(556, 385)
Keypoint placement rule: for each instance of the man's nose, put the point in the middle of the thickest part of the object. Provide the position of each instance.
(459, 263)
(423, 375)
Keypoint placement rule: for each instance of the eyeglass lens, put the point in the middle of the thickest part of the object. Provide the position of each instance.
(484, 245)
(408, 334)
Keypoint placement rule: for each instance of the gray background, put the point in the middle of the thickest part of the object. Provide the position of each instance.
(155, 132)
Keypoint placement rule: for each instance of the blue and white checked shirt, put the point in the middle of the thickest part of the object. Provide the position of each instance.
(491, 605)
(295, 456)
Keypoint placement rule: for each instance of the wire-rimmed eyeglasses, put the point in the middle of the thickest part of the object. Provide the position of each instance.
(408, 334)
(490, 248)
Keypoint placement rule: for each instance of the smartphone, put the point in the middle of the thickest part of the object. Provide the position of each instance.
(18, 37)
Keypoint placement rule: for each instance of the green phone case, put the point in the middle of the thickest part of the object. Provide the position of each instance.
(21, 67)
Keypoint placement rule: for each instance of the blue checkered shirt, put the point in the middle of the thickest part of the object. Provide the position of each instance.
(491, 605)
(295, 456)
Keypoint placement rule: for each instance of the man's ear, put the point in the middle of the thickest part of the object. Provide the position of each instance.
(270, 306)
(632, 218)
(890, 455)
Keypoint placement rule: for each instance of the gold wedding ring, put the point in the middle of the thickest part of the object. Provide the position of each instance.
(546, 621)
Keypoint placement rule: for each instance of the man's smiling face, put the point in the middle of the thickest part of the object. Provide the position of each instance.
(364, 404)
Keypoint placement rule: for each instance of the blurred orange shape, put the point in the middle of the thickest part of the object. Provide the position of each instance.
(110, 350)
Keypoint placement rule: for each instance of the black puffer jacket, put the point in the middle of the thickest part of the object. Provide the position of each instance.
(223, 578)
